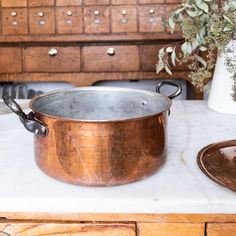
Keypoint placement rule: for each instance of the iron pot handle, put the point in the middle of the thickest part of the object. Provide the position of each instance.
(28, 120)
(171, 83)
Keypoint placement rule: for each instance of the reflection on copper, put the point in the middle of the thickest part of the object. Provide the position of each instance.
(218, 162)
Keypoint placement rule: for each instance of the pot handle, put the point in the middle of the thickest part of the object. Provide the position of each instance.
(29, 121)
(171, 83)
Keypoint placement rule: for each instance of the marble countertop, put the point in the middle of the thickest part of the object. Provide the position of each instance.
(179, 187)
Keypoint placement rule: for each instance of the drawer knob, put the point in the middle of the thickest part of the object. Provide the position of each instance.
(13, 14)
(40, 14)
(151, 11)
(52, 52)
(69, 13)
(124, 12)
(111, 51)
(96, 13)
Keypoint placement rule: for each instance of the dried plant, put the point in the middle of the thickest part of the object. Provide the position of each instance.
(207, 26)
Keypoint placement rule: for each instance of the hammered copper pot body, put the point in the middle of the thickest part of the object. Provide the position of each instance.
(102, 154)
(98, 136)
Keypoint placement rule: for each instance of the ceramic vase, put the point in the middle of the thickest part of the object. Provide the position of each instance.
(220, 96)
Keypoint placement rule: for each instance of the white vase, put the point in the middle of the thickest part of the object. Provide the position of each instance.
(220, 96)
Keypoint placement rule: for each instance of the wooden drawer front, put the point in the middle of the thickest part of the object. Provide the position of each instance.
(69, 20)
(151, 18)
(39, 229)
(124, 19)
(96, 2)
(172, 229)
(151, 1)
(38, 3)
(96, 19)
(124, 58)
(118, 2)
(14, 21)
(62, 59)
(41, 20)
(221, 230)
(10, 60)
(14, 3)
(173, 1)
(149, 58)
(68, 2)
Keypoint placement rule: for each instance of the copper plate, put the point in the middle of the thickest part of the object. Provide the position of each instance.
(218, 162)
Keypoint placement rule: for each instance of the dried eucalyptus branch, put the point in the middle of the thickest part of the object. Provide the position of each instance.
(207, 27)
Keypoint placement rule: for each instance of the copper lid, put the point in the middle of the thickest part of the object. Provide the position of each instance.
(218, 162)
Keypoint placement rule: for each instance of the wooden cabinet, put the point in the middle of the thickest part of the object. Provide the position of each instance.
(14, 21)
(41, 20)
(73, 229)
(10, 60)
(221, 229)
(151, 18)
(117, 38)
(124, 18)
(51, 59)
(110, 58)
(171, 229)
(69, 20)
(97, 19)
(37, 3)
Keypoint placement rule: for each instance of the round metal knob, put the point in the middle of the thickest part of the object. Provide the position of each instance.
(40, 14)
(111, 51)
(13, 14)
(96, 13)
(69, 13)
(151, 11)
(52, 52)
(124, 12)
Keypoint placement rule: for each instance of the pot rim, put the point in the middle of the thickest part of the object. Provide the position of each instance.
(100, 88)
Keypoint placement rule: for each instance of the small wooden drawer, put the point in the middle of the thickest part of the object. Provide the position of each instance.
(149, 58)
(69, 20)
(171, 229)
(40, 3)
(41, 20)
(10, 60)
(51, 59)
(39, 229)
(124, 19)
(14, 21)
(14, 3)
(118, 2)
(68, 2)
(151, 1)
(111, 58)
(223, 229)
(96, 2)
(151, 18)
(96, 19)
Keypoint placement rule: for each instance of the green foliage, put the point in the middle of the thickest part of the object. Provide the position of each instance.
(207, 26)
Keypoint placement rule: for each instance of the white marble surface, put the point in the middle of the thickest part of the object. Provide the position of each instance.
(180, 186)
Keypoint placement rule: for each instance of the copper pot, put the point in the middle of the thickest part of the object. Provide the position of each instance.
(98, 136)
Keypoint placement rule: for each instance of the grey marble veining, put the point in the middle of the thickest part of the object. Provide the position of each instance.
(179, 187)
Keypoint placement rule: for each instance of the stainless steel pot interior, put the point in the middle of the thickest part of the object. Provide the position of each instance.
(100, 104)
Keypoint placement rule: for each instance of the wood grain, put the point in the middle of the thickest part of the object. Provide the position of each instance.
(36, 59)
(39, 229)
(221, 230)
(163, 229)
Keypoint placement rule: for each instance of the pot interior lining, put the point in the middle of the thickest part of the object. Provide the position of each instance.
(101, 104)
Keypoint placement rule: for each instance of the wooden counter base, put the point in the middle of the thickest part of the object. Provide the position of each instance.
(35, 224)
